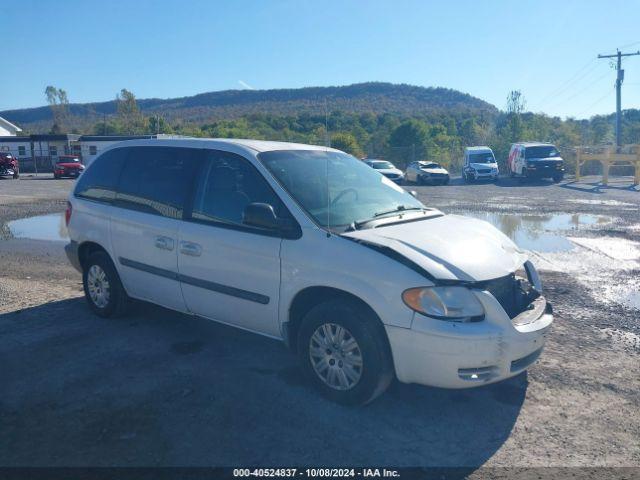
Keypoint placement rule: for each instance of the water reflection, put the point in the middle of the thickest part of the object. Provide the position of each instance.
(42, 227)
(539, 232)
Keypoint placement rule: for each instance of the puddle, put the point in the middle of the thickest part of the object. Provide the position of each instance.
(540, 233)
(43, 227)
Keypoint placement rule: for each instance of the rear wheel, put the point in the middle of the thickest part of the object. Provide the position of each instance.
(343, 349)
(102, 287)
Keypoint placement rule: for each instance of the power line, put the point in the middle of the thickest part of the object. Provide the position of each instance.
(628, 45)
(597, 102)
(581, 91)
(573, 79)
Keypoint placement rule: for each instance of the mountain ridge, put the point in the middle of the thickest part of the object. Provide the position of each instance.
(373, 97)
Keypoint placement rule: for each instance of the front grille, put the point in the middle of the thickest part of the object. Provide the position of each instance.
(392, 176)
(545, 164)
(438, 175)
(514, 294)
(484, 170)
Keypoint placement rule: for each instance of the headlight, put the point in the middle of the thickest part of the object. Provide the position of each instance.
(457, 304)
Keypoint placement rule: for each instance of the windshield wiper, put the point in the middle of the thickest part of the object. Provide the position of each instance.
(399, 209)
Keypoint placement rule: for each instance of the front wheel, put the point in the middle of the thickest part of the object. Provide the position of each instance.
(344, 350)
(102, 287)
(558, 178)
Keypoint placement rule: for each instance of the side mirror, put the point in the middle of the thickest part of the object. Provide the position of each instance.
(260, 215)
(413, 193)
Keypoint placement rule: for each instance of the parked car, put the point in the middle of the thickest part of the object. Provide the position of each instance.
(9, 165)
(426, 173)
(479, 164)
(307, 245)
(387, 169)
(535, 160)
(68, 166)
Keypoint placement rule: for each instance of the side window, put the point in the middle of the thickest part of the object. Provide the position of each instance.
(157, 180)
(228, 184)
(101, 178)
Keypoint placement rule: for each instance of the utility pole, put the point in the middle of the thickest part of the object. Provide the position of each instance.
(619, 79)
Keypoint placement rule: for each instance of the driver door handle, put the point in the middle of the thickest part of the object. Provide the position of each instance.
(191, 249)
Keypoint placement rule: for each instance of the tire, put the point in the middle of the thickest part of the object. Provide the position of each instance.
(359, 384)
(558, 178)
(419, 180)
(56, 176)
(102, 287)
(445, 182)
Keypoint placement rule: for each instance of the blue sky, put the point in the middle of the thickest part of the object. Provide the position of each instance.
(170, 48)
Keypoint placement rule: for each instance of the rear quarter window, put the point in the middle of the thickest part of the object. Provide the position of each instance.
(100, 180)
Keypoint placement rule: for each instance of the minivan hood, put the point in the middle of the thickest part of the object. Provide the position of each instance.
(449, 247)
(483, 165)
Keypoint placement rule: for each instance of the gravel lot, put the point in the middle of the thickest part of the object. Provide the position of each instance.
(160, 388)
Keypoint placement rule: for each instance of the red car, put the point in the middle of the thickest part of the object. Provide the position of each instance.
(68, 166)
(8, 165)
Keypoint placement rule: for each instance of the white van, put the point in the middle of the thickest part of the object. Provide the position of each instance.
(479, 164)
(310, 246)
(535, 160)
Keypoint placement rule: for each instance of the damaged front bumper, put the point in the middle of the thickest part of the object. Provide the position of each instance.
(461, 355)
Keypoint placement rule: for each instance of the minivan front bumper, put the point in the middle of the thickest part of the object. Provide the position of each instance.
(462, 355)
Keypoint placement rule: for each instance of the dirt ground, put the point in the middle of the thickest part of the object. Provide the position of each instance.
(159, 388)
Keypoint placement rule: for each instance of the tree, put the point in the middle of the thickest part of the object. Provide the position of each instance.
(129, 116)
(59, 103)
(347, 143)
(408, 141)
(515, 102)
(158, 124)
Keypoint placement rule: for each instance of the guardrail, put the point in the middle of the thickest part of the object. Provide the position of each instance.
(608, 157)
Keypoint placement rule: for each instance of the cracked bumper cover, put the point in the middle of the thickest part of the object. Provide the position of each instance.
(461, 355)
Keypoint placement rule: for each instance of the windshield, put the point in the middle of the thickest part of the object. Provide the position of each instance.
(543, 151)
(381, 165)
(336, 189)
(486, 157)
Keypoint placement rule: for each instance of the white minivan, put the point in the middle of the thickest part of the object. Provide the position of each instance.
(479, 164)
(310, 246)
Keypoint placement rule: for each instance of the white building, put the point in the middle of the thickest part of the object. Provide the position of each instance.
(8, 129)
(90, 146)
(19, 147)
